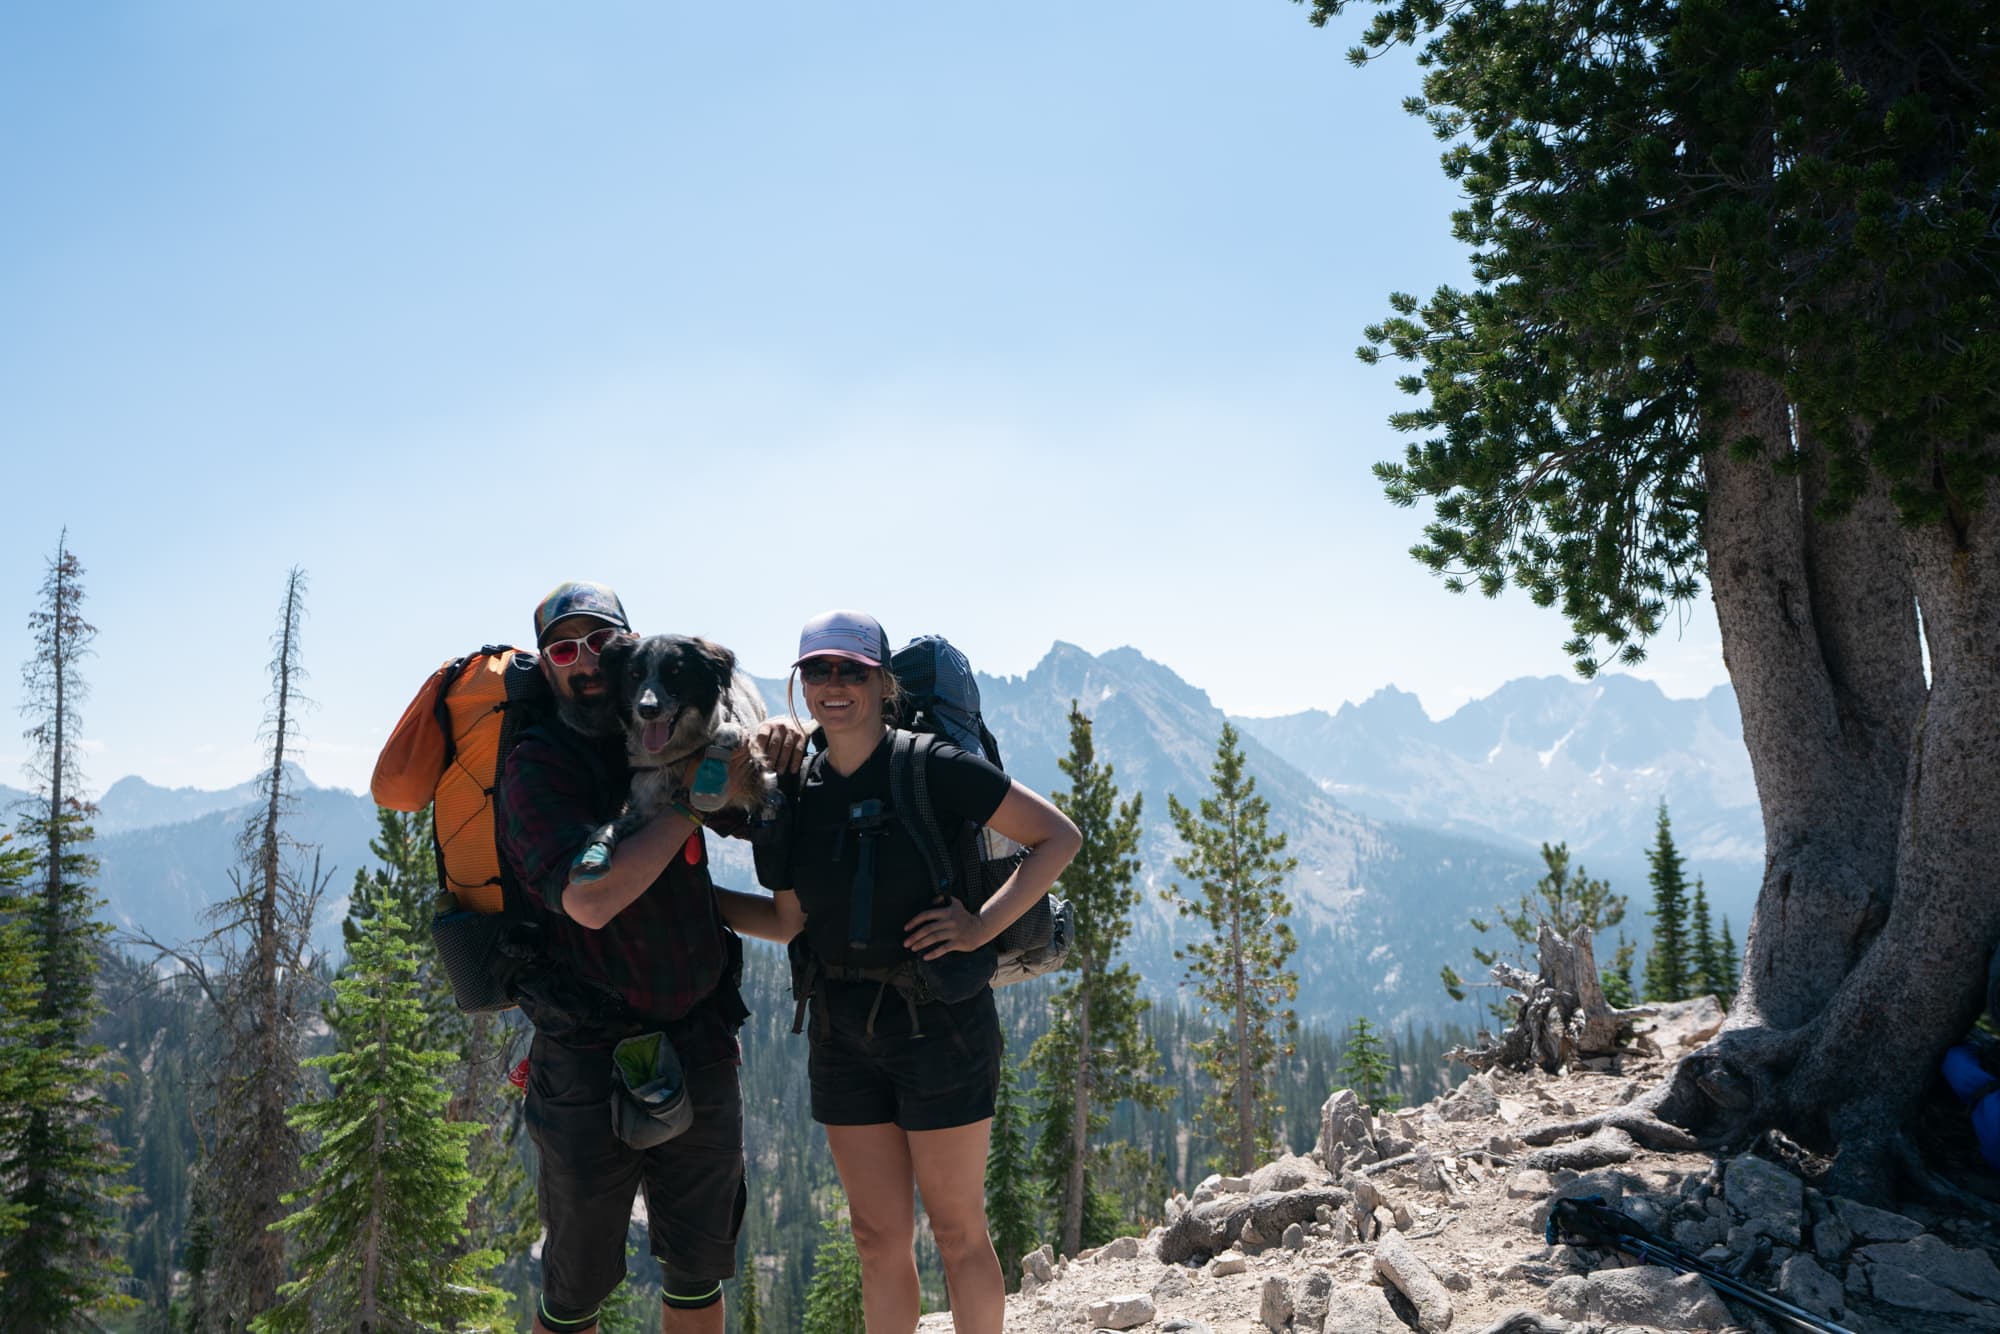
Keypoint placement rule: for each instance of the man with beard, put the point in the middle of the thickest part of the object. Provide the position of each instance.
(640, 948)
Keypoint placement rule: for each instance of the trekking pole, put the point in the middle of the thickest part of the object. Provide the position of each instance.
(1593, 1222)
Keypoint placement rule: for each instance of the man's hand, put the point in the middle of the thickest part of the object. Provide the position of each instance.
(781, 743)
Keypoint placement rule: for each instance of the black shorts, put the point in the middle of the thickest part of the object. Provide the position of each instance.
(944, 1073)
(587, 1177)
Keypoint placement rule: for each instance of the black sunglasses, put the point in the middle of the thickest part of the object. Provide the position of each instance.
(818, 671)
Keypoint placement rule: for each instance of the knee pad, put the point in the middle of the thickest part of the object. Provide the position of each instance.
(688, 1292)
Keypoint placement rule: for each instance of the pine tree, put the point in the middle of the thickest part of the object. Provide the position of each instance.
(1617, 980)
(1667, 961)
(1366, 1066)
(749, 1307)
(501, 1215)
(1239, 971)
(60, 1168)
(1013, 1201)
(390, 1181)
(1706, 970)
(406, 883)
(1095, 1053)
(1730, 960)
(21, 1055)
(833, 1299)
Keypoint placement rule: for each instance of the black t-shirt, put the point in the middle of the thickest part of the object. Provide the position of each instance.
(831, 826)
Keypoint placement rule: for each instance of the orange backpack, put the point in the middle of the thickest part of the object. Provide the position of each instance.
(447, 752)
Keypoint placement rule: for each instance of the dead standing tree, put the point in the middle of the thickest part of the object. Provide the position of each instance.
(257, 968)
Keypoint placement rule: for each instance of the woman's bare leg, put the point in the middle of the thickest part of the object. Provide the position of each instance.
(874, 1166)
(951, 1172)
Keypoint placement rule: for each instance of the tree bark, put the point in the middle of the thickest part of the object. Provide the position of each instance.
(1881, 801)
(1079, 1125)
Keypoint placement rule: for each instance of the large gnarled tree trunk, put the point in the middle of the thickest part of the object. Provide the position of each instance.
(1868, 949)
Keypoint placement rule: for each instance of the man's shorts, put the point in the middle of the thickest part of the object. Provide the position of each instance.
(588, 1176)
(942, 1072)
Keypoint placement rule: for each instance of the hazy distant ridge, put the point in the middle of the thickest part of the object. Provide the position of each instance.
(1402, 826)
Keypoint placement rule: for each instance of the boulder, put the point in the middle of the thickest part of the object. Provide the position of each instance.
(1170, 1285)
(1123, 1311)
(1035, 1265)
(1346, 1133)
(1657, 1296)
(1529, 1183)
(1474, 1100)
(1831, 1238)
(1211, 1227)
(1804, 1284)
(1400, 1265)
(1227, 1263)
(1873, 1224)
(1971, 1273)
(1119, 1248)
(1290, 1172)
(1294, 1238)
(1569, 1297)
(1913, 1292)
(1430, 1176)
(1274, 1306)
(1312, 1299)
(1766, 1195)
(1361, 1308)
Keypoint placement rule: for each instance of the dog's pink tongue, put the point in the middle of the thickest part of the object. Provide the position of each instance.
(656, 735)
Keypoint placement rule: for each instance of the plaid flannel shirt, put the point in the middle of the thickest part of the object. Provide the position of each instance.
(667, 951)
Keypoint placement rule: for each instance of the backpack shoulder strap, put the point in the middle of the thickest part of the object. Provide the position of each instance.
(909, 793)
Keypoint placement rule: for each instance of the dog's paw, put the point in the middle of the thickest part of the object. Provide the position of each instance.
(591, 863)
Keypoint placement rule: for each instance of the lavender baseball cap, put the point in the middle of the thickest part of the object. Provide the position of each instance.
(854, 635)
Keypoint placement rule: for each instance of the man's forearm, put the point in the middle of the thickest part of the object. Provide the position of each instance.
(765, 916)
(640, 858)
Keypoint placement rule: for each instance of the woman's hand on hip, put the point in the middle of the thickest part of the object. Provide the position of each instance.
(938, 931)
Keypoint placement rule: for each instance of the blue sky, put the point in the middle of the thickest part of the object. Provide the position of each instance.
(1014, 324)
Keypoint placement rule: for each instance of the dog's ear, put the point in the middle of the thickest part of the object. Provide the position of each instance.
(723, 660)
(617, 655)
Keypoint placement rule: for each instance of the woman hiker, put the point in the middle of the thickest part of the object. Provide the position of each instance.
(905, 1043)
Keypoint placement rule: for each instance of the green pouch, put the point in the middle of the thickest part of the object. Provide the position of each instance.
(651, 1106)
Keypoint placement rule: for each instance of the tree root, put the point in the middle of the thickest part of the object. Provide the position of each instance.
(1641, 1119)
(1935, 1186)
(1608, 1145)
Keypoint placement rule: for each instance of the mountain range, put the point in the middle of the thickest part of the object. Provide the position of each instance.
(1551, 759)
(1403, 827)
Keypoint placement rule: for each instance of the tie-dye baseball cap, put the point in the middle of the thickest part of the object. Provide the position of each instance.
(579, 597)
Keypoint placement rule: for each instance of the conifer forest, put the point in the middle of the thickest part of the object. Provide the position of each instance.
(239, 1131)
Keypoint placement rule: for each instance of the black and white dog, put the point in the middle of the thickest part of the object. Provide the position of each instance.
(675, 696)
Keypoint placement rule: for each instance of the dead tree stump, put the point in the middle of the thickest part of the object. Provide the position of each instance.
(1563, 1017)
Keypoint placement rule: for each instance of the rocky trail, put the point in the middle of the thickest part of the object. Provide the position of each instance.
(1432, 1218)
